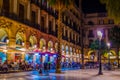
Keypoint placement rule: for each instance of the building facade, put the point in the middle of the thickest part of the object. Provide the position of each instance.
(94, 22)
(28, 31)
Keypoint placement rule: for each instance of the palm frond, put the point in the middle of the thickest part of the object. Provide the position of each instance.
(113, 8)
(61, 3)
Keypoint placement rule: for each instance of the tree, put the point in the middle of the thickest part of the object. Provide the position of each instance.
(60, 6)
(115, 39)
(113, 9)
(95, 46)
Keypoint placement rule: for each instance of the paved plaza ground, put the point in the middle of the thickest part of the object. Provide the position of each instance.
(86, 74)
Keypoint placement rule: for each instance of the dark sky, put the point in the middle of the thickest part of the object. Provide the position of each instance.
(91, 6)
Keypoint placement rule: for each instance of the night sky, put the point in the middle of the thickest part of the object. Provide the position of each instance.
(91, 6)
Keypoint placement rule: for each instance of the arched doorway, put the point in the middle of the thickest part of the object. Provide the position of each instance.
(71, 54)
(50, 46)
(20, 39)
(33, 41)
(43, 50)
(48, 54)
(42, 45)
(33, 56)
(56, 47)
(3, 45)
(92, 56)
(2, 57)
(63, 52)
(67, 54)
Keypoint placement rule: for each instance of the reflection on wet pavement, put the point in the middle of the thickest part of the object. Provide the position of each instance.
(66, 75)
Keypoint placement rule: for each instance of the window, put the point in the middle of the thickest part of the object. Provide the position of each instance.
(90, 23)
(33, 17)
(42, 21)
(6, 5)
(66, 33)
(101, 21)
(56, 29)
(44, 2)
(91, 33)
(50, 26)
(73, 36)
(64, 17)
(21, 11)
(110, 22)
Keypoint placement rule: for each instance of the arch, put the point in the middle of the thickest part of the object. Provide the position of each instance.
(71, 53)
(2, 56)
(91, 55)
(63, 49)
(20, 38)
(42, 43)
(89, 52)
(112, 53)
(66, 49)
(56, 47)
(3, 35)
(50, 45)
(19, 41)
(32, 40)
(77, 51)
(90, 23)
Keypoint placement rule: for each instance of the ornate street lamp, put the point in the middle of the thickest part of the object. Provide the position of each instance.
(99, 34)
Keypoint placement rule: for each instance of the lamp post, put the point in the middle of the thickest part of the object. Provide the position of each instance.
(99, 34)
(108, 45)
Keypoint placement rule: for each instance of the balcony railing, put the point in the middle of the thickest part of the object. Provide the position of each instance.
(17, 18)
(65, 38)
(36, 2)
(45, 8)
(54, 33)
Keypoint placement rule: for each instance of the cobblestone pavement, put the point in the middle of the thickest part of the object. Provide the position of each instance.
(88, 74)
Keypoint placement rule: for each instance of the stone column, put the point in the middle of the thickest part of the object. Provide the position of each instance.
(39, 16)
(12, 42)
(1, 4)
(27, 44)
(47, 23)
(15, 6)
(28, 11)
(54, 25)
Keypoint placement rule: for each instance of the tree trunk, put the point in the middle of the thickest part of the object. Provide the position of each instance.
(59, 55)
(82, 49)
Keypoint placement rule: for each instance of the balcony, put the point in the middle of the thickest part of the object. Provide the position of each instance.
(17, 18)
(90, 36)
(54, 33)
(72, 41)
(45, 8)
(65, 38)
(36, 2)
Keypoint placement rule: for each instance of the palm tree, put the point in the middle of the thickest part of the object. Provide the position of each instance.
(60, 6)
(113, 9)
(115, 39)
